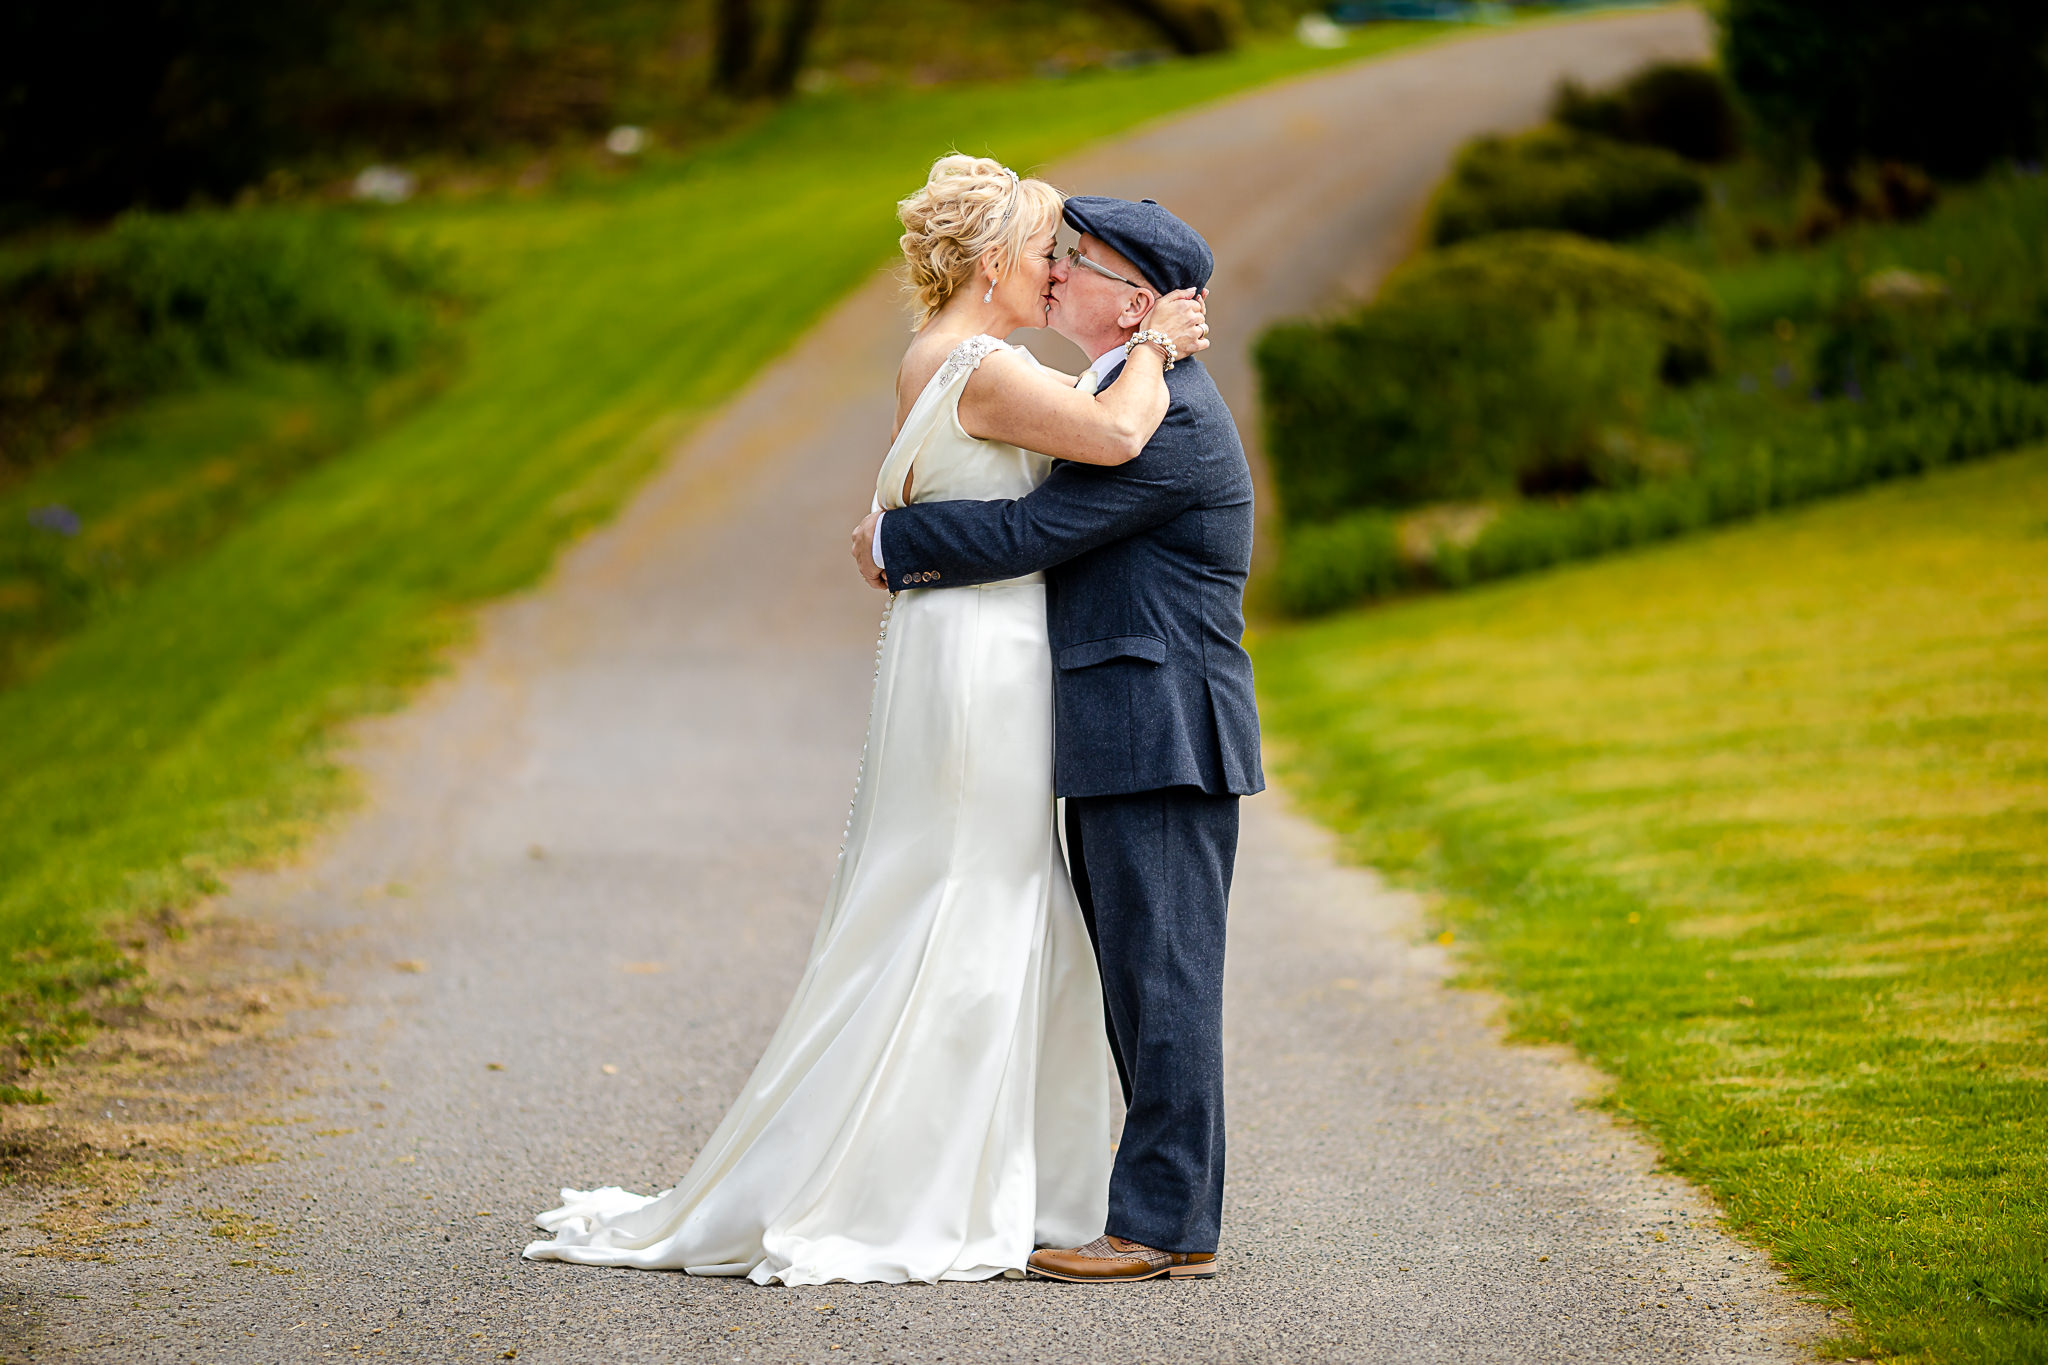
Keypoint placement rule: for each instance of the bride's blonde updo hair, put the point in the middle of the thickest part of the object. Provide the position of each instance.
(968, 204)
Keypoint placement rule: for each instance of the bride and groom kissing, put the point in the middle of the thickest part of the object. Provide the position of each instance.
(1066, 558)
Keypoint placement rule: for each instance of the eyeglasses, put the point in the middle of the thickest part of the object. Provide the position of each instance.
(1074, 258)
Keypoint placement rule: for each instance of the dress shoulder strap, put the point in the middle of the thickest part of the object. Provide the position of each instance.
(966, 358)
(940, 398)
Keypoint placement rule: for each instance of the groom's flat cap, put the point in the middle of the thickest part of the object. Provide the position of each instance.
(1168, 253)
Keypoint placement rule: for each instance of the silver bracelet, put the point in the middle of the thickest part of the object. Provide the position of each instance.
(1154, 338)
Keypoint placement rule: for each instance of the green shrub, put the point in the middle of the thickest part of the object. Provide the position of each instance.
(1867, 329)
(158, 302)
(1404, 404)
(1542, 272)
(1561, 178)
(1912, 424)
(1682, 107)
(1335, 563)
(1891, 349)
(2018, 348)
(1913, 321)
(1519, 363)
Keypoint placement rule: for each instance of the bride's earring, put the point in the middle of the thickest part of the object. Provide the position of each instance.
(990, 296)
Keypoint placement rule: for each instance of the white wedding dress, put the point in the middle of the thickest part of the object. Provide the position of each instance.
(938, 1099)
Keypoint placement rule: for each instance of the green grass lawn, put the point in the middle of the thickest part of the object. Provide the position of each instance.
(1759, 823)
(181, 728)
(160, 485)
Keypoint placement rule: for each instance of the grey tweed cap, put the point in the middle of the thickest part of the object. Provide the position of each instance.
(1169, 254)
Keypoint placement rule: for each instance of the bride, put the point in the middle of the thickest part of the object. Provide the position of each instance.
(938, 1100)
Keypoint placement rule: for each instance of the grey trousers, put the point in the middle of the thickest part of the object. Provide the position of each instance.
(1152, 870)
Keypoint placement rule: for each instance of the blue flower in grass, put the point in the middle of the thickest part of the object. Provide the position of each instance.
(56, 517)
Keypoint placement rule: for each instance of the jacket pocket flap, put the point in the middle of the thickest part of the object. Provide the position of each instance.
(1088, 653)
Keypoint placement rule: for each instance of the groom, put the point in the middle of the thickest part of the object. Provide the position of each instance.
(1157, 732)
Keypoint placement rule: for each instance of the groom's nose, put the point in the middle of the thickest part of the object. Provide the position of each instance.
(1060, 269)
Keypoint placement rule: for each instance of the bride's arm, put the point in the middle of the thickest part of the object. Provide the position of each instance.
(1012, 400)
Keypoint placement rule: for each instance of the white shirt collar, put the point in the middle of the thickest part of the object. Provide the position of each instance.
(1107, 361)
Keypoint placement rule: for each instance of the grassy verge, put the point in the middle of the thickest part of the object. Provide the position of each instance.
(1759, 823)
(156, 488)
(181, 731)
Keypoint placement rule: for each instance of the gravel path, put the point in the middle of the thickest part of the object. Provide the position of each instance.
(584, 885)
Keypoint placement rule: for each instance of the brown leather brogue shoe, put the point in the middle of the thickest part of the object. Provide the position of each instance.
(1116, 1260)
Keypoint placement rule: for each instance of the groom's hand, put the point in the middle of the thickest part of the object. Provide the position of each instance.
(864, 551)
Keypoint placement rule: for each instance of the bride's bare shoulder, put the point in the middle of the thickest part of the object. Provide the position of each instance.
(920, 362)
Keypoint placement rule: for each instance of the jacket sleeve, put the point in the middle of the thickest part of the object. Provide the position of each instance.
(962, 544)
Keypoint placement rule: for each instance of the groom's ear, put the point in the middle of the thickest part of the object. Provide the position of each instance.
(1137, 307)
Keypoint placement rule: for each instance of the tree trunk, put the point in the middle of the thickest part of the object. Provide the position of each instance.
(1192, 27)
(799, 21)
(733, 45)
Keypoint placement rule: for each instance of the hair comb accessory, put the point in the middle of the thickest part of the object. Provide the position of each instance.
(1009, 205)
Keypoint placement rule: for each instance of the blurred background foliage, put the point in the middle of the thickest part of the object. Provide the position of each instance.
(1952, 87)
(161, 302)
(1555, 177)
(1703, 293)
(1494, 367)
(106, 104)
(279, 337)
(197, 191)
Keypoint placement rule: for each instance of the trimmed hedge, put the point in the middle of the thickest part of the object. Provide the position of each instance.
(1336, 563)
(1564, 179)
(1513, 363)
(1402, 406)
(158, 302)
(1915, 425)
(1544, 272)
(1682, 107)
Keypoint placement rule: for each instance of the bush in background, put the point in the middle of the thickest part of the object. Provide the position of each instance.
(1951, 87)
(158, 302)
(1542, 272)
(1524, 362)
(1402, 405)
(2017, 348)
(1682, 107)
(1564, 179)
(1892, 349)
(1335, 563)
(108, 104)
(1913, 426)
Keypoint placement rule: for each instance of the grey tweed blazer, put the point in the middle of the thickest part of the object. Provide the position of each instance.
(1145, 567)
